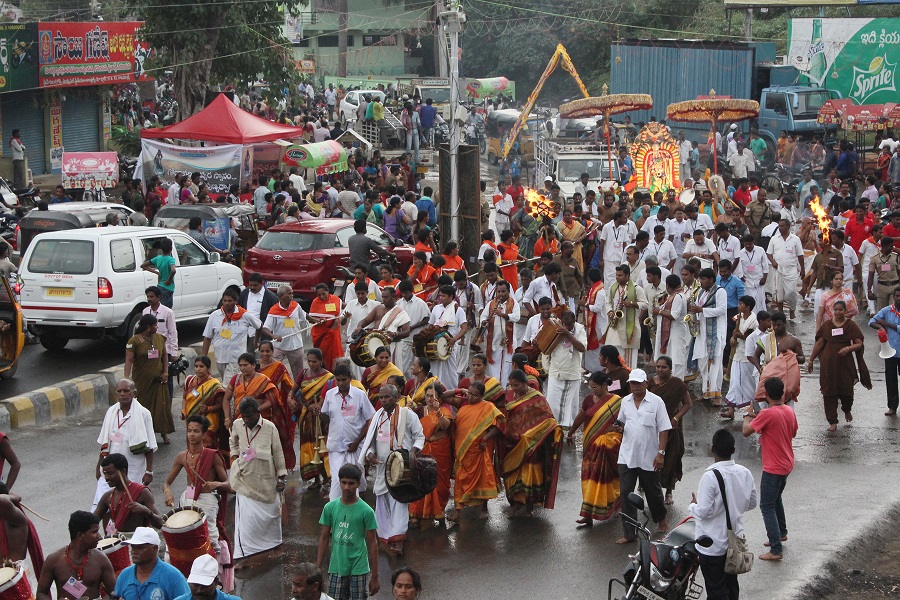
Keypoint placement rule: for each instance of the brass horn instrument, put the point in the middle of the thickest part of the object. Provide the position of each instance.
(320, 446)
(692, 320)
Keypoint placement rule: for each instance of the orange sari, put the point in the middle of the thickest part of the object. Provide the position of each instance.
(424, 281)
(510, 273)
(260, 387)
(452, 264)
(473, 467)
(282, 415)
(540, 246)
(432, 505)
(327, 336)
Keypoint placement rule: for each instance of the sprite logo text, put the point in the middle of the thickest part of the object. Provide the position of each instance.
(879, 77)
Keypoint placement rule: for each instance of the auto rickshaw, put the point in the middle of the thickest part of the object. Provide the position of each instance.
(217, 225)
(12, 333)
(40, 221)
(497, 124)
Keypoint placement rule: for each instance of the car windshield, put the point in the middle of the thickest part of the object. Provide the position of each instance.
(72, 257)
(570, 169)
(288, 241)
(808, 104)
(437, 95)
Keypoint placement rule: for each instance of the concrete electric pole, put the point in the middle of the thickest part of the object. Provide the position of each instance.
(452, 22)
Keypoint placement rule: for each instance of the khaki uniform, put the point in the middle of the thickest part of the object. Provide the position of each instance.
(886, 271)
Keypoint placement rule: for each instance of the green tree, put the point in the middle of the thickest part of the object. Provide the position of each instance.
(210, 42)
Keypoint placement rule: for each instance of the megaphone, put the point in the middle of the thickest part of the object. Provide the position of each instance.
(887, 351)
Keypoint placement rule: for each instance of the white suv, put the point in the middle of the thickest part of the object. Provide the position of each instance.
(86, 283)
(350, 103)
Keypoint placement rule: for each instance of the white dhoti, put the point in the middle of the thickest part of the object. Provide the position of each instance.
(817, 298)
(257, 526)
(758, 293)
(500, 365)
(742, 385)
(404, 357)
(336, 460)
(464, 347)
(562, 396)
(210, 505)
(609, 272)
(446, 370)
(786, 288)
(711, 376)
(392, 518)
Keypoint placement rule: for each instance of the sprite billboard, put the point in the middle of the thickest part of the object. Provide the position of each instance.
(857, 57)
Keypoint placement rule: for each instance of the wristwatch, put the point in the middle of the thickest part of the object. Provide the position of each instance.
(661, 452)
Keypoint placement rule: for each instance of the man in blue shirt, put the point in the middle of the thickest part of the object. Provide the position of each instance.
(626, 166)
(888, 319)
(426, 115)
(734, 287)
(149, 577)
(427, 204)
(204, 580)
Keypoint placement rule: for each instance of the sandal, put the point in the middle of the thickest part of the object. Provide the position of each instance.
(669, 500)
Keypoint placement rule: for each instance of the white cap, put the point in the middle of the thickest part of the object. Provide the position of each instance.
(638, 376)
(144, 535)
(548, 178)
(204, 570)
(734, 126)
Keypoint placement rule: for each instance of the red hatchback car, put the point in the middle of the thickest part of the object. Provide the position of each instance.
(304, 254)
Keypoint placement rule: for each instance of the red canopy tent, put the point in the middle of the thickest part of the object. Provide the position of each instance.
(225, 123)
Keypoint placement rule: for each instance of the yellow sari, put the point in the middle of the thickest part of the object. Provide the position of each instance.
(493, 391)
(417, 397)
(207, 393)
(373, 381)
(312, 391)
(599, 463)
(473, 467)
(533, 450)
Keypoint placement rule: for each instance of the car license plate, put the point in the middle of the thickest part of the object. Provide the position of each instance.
(274, 285)
(60, 293)
(650, 595)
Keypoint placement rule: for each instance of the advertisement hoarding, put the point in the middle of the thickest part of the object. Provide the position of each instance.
(857, 57)
(219, 166)
(95, 53)
(18, 57)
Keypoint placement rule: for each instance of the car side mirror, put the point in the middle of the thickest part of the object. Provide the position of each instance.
(704, 541)
(636, 500)
(214, 257)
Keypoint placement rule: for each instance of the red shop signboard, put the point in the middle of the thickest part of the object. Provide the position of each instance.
(95, 53)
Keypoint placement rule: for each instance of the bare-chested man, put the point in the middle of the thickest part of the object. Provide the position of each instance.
(128, 504)
(784, 341)
(17, 528)
(203, 466)
(79, 569)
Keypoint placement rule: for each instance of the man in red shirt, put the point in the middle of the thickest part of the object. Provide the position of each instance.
(892, 230)
(742, 195)
(777, 427)
(859, 228)
(516, 188)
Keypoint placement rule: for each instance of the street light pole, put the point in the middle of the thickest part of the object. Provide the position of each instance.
(452, 21)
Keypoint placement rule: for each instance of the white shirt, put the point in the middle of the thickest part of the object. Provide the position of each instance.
(643, 424)
(451, 315)
(617, 239)
(417, 310)
(705, 250)
(320, 134)
(347, 416)
(729, 248)
(330, 97)
(703, 221)
(229, 338)
(379, 440)
(675, 231)
(120, 436)
(744, 325)
(392, 321)
(754, 264)
(541, 288)
(298, 182)
(650, 224)
(165, 326)
(850, 262)
(532, 328)
(565, 360)
(709, 510)
(685, 149)
(505, 205)
(663, 251)
(283, 326)
(374, 291)
(519, 328)
(500, 323)
(174, 195)
(750, 342)
(357, 313)
(410, 209)
(463, 300)
(254, 302)
(786, 252)
(18, 150)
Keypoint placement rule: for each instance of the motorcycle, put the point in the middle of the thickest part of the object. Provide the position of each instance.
(13, 199)
(664, 570)
(126, 168)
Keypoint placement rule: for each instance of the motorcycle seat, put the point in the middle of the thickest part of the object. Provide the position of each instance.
(686, 532)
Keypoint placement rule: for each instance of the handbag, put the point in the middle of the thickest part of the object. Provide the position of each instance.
(737, 559)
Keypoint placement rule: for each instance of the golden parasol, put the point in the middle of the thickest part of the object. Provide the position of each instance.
(713, 110)
(606, 105)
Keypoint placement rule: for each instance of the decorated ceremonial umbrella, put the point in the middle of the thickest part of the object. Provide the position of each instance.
(325, 157)
(606, 105)
(713, 110)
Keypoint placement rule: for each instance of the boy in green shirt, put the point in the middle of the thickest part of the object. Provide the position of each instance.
(349, 524)
(164, 267)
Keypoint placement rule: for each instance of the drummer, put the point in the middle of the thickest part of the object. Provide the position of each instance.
(356, 311)
(129, 504)
(388, 432)
(205, 468)
(80, 560)
(447, 313)
(18, 536)
(392, 320)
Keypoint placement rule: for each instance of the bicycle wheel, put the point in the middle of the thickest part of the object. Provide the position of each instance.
(772, 184)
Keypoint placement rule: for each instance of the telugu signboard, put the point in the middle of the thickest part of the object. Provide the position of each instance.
(90, 170)
(857, 57)
(219, 166)
(96, 53)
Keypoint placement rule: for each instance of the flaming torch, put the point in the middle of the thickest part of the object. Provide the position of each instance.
(539, 206)
(822, 218)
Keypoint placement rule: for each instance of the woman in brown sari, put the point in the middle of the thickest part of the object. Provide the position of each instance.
(147, 364)
(836, 341)
(599, 461)
(674, 392)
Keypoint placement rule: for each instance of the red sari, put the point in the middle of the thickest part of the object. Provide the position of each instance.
(282, 415)
(432, 505)
(599, 462)
(532, 450)
(424, 281)
(510, 273)
(327, 336)
(591, 324)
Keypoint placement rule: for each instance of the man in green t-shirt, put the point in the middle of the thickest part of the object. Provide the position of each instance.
(757, 146)
(349, 524)
(164, 267)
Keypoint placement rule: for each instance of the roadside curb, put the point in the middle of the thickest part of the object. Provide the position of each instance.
(77, 396)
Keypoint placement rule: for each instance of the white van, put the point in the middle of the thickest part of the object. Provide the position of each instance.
(85, 283)
(350, 103)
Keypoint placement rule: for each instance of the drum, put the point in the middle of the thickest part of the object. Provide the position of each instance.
(14, 583)
(539, 365)
(117, 553)
(187, 536)
(408, 483)
(548, 338)
(433, 342)
(362, 351)
(706, 263)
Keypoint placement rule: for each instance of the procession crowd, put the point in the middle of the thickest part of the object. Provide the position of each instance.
(447, 383)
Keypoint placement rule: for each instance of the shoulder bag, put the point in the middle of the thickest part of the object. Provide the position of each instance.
(737, 559)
